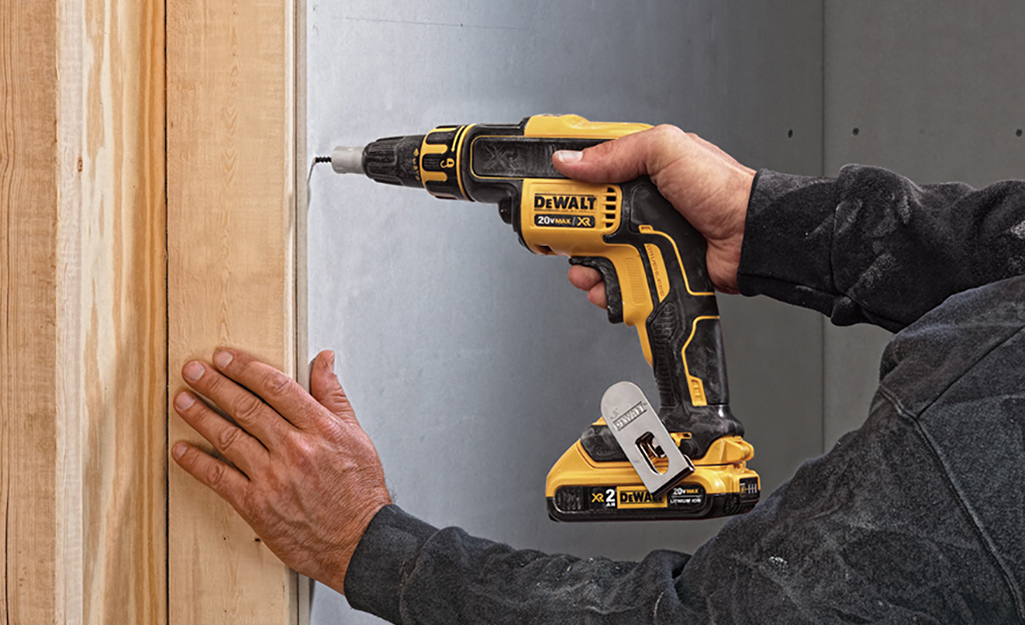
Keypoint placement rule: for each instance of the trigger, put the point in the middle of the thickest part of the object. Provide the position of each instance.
(613, 298)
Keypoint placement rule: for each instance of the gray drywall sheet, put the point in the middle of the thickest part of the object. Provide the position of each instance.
(934, 90)
(472, 363)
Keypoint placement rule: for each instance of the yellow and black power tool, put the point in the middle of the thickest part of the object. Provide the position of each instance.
(688, 460)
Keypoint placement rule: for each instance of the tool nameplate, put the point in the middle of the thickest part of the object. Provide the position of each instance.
(638, 497)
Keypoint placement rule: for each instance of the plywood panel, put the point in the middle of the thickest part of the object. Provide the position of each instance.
(230, 73)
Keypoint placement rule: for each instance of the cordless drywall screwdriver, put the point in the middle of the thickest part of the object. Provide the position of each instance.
(688, 460)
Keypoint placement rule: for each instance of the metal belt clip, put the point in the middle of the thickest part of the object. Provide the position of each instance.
(644, 439)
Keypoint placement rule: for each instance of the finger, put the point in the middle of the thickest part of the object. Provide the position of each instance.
(597, 296)
(251, 414)
(229, 440)
(587, 279)
(284, 394)
(605, 162)
(227, 482)
(584, 278)
(325, 387)
(639, 154)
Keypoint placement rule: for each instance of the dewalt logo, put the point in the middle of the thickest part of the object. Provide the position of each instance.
(553, 201)
(627, 417)
(638, 497)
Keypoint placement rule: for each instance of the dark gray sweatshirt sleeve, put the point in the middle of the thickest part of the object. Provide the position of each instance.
(914, 518)
(866, 246)
(407, 571)
(872, 246)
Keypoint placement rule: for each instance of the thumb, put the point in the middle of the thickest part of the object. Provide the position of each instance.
(618, 160)
(325, 387)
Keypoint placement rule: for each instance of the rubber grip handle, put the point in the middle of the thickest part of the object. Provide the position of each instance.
(683, 331)
(613, 296)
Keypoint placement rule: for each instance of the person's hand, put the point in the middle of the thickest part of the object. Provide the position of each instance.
(708, 187)
(306, 477)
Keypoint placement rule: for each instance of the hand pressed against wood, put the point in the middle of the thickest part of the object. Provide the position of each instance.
(306, 477)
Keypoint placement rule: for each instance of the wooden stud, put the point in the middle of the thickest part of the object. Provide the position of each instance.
(231, 270)
(85, 297)
(28, 303)
(82, 312)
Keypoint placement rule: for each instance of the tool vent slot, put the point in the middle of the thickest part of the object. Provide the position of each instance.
(609, 203)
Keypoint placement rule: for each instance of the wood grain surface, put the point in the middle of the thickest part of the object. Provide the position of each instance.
(231, 271)
(94, 264)
(28, 313)
(82, 308)
(112, 304)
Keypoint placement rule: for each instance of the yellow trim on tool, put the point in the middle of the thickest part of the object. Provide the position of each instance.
(577, 127)
(431, 148)
(647, 229)
(458, 144)
(695, 385)
(720, 471)
(626, 258)
(659, 273)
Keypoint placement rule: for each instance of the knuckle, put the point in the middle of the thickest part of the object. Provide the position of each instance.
(213, 383)
(302, 453)
(276, 384)
(340, 400)
(246, 409)
(668, 132)
(215, 475)
(300, 447)
(228, 438)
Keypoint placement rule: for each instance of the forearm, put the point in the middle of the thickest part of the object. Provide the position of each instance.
(407, 571)
(871, 246)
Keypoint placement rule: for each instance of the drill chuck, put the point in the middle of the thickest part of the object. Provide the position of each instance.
(392, 160)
